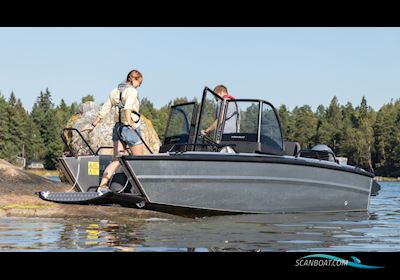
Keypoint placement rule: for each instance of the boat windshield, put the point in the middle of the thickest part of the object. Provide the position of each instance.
(180, 123)
(210, 113)
(270, 132)
(248, 120)
(244, 123)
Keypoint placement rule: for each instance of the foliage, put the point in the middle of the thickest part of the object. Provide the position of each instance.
(369, 139)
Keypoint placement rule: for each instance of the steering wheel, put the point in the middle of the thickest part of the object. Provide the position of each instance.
(208, 140)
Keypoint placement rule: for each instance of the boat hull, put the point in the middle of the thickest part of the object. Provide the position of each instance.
(248, 186)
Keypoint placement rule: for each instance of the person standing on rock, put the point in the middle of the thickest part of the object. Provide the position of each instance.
(123, 103)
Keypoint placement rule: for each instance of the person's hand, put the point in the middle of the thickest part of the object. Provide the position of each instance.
(203, 132)
(88, 129)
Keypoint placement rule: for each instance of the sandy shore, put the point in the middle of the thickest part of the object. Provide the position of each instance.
(18, 199)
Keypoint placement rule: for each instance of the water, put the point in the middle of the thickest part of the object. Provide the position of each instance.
(377, 230)
(54, 178)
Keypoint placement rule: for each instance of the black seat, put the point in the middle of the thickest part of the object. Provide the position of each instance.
(292, 148)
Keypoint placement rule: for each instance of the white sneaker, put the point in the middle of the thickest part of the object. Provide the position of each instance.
(103, 190)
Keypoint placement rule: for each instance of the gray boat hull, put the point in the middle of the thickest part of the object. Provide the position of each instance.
(81, 172)
(265, 185)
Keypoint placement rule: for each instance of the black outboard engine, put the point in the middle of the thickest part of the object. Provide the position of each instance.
(321, 152)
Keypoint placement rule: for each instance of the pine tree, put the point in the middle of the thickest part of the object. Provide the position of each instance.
(361, 136)
(387, 140)
(49, 126)
(73, 109)
(34, 148)
(147, 109)
(52, 141)
(286, 124)
(5, 136)
(63, 113)
(330, 125)
(17, 118)
(304, 126)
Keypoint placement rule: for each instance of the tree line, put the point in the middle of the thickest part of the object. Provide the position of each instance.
(369, 139)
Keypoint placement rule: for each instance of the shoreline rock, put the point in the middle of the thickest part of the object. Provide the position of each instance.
(18, 199)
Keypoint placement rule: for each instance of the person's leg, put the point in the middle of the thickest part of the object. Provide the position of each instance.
(108, 172)
(113, 166)
(134, 142)
(137, 149)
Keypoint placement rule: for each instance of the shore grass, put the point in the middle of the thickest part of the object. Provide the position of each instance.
(26, 206)
(387, 179)
(44, 172)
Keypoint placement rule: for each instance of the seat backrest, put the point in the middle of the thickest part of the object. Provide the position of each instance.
(321, 155)
(292, 148)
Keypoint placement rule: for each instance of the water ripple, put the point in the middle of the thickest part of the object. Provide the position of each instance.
(376, 230)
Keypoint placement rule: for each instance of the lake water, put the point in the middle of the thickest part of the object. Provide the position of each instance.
(377, 230)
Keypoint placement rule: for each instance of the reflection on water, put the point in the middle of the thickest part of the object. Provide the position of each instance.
(377, 230)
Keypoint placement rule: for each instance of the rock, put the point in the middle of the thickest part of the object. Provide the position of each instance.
(101, 136)
(18, 198)
(14, 180)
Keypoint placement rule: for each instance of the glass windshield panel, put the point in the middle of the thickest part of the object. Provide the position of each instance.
(179, 122)
(270, 129)
(209, 114)
(241, 117)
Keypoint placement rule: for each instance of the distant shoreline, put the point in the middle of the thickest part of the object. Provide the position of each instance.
(387, 179)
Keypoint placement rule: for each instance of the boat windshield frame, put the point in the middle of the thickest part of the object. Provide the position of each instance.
(221, 119)
(189, 124)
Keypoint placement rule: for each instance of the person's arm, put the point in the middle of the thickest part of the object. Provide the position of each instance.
(92, 125)
(100, 115)
(128, 116)
(212, 127)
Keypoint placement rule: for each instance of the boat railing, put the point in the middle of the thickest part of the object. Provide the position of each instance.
(64, 139)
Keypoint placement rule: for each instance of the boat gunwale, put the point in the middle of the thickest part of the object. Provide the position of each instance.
(256, 158)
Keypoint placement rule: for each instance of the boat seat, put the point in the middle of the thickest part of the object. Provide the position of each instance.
(321, 155)
(292, 148)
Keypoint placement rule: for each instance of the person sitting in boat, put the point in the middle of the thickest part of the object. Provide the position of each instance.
(123, 103)
(232, 121)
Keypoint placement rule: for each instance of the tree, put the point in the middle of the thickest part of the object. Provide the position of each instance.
(73, 109)
(286, 122)
(330, 125)
(44, 115)
(87, 98)
(360, 139)
(51, 139)
(5, 136)
(34, 148)
(17, 119)
(63, 113)
(387, 140)
(147, 109)
(304, 126)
